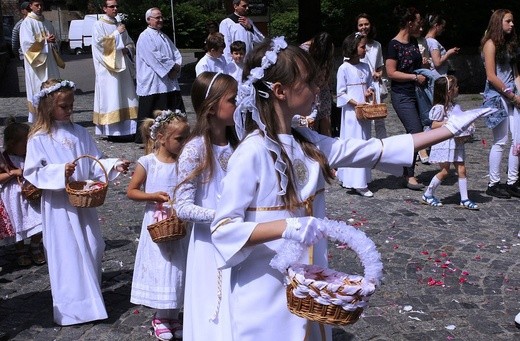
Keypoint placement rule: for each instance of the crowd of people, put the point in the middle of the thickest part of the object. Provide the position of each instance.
(261, 142)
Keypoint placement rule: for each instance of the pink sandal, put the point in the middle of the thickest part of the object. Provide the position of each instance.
(161, 329)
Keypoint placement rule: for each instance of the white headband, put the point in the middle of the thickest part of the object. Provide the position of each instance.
(246, 102)
(211, 84)
(46, 91)
(164, 117)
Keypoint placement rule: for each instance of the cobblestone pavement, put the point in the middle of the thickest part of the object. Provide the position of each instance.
(450, 273)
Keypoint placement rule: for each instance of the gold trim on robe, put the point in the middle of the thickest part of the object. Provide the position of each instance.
(306, 204)
(110, 53)
(117, 116)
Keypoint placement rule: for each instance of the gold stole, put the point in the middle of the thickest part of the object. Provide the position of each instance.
(34, 54)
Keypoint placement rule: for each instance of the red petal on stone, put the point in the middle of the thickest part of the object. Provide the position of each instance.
(484, 142)
(396, 247)
(462, 280)
(425, 252)
(444, 254)
(465, 273)
(135, 312)
(477, 257)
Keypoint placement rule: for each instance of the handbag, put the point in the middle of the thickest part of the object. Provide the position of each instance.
(57, 57)
(371, 111)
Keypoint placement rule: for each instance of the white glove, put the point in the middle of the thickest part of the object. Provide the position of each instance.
(460, 121)
(305, 230)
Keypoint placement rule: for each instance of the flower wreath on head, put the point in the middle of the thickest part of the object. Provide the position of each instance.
(46, 91)
(246, 102)
(165, 117)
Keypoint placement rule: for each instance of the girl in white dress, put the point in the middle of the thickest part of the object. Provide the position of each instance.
(25, 215)
(449, 151)
(374, 59)
(202, 166)
(354, 85)
(159, 269)
(71, 235)
(275, 177)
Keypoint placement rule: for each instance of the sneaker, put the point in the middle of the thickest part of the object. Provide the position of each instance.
(513, 190)
(517, 320)
(497, 192)
(364, 192)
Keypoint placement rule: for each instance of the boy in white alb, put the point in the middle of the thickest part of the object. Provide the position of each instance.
(236, 66)
(213, 60)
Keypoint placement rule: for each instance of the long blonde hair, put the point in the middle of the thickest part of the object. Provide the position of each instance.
(44, 117)
(205, 100)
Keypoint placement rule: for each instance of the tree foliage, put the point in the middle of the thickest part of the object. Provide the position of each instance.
(466, 19)
(285, 24)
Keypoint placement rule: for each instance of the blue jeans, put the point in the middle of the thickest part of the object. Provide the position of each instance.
(405, 106)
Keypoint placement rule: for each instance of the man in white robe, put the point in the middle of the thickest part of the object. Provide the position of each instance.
(238, 26)
(115, 99)
(40, 48)
(158, 63)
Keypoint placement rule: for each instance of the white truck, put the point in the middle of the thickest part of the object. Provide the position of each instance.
(80, 33)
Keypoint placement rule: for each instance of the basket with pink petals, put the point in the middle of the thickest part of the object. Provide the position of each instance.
(325, 295)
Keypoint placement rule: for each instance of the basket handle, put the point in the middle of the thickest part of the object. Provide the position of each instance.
(95, 159)
(373, 98)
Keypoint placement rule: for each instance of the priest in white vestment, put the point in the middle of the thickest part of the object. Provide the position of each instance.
(238, 26)
(158, 63)
(115, 99)
(40, 48)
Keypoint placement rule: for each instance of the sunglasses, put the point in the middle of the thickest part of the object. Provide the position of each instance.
(112, 6)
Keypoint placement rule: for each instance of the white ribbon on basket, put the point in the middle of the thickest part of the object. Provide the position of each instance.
(290, 253)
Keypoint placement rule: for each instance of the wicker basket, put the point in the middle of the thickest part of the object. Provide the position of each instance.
(308, 308)
(79, 197)
(171, 228)
(325, 295)
(371, 111)
(29, 191)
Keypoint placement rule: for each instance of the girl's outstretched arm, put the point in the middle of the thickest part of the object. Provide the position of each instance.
(134, 191)
(454, 126)
(430, 137)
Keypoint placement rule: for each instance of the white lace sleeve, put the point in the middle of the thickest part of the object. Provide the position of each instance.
(190, 158)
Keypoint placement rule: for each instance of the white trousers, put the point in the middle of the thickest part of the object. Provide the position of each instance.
(500, 140)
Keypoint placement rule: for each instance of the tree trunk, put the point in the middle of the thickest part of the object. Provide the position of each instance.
(309, 19)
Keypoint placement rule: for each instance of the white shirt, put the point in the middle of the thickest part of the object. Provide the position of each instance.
(156, 56)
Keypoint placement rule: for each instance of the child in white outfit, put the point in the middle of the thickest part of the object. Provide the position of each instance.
(450, 151)
(72, 236)
(275, 177)
(236, 66)
(213, 60)
(159, 268)
(354, 85)
(202, 166)
(24, 214)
